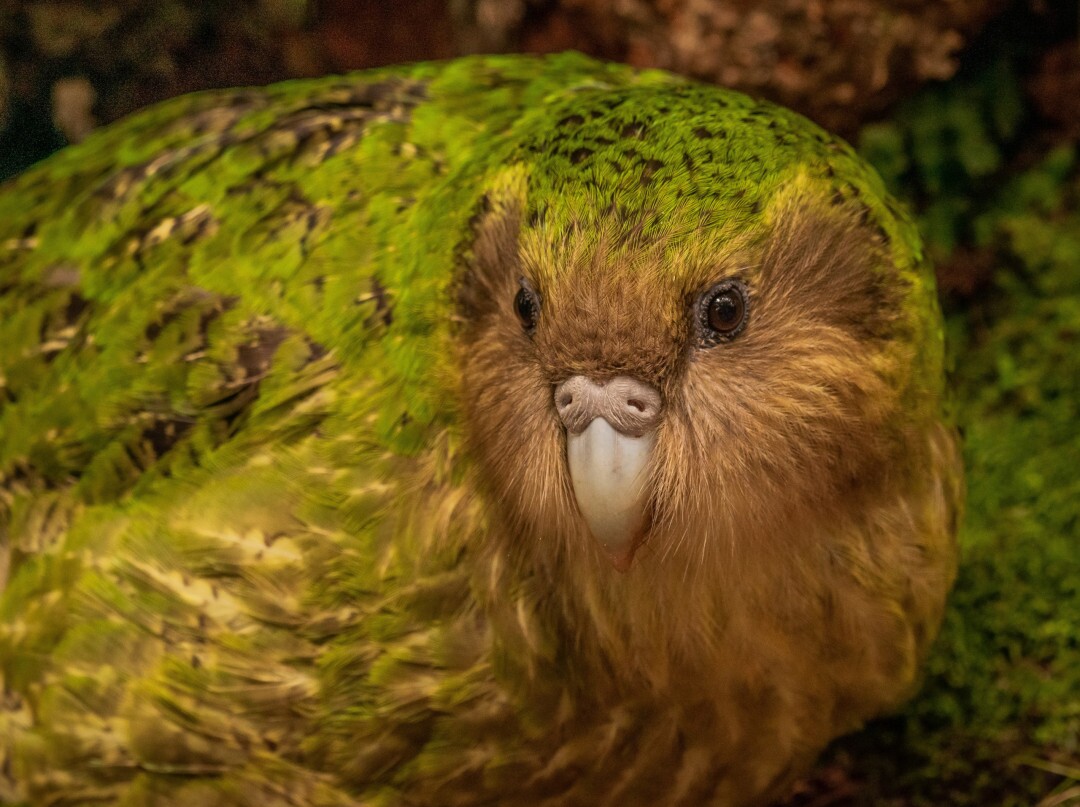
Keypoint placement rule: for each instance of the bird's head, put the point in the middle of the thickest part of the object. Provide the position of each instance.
(696, 327)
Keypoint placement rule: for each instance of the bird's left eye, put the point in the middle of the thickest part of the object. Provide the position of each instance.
(527, 307)
(722, 311)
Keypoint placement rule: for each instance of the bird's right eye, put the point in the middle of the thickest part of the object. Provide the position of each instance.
(527, 307)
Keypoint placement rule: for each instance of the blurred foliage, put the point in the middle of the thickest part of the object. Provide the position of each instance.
(945, 148)
(998, 721)
(952, 149)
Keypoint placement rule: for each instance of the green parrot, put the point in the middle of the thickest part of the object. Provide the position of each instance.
(508, 430)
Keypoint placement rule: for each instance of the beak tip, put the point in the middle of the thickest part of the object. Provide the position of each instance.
(622, 560)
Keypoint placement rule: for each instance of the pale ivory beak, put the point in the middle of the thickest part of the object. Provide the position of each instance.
(610, 434)
(607, 469)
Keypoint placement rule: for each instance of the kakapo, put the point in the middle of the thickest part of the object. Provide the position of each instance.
(504, 430)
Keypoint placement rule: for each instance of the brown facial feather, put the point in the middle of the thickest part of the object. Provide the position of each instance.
(795, 411)
(787, 533)
(767, 446)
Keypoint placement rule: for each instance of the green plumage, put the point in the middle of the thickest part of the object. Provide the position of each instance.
(245, 555)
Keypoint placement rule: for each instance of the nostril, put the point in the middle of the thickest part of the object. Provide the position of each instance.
(627, 404)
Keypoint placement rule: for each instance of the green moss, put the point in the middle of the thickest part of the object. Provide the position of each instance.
(947, 148)
(998, 719)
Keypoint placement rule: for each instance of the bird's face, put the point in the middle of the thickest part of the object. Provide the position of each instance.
(680, 397)
(645, 394)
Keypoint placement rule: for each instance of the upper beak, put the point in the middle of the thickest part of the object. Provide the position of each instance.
(610, 434)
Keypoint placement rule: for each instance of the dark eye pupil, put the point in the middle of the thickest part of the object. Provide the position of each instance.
(525, 306)
(726, 311)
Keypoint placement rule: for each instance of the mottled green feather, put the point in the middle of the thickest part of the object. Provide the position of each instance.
(237, 532)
